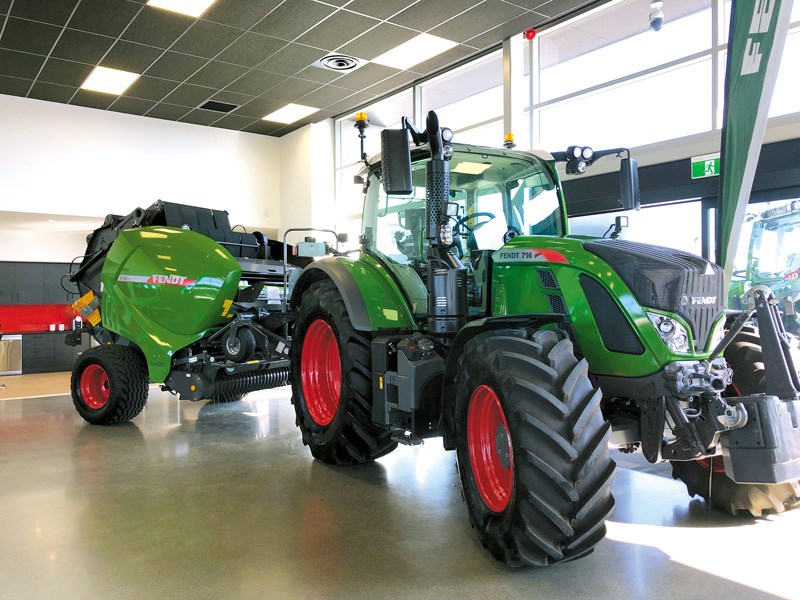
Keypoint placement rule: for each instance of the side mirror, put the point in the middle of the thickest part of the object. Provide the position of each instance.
(629, 184)
(396, 162)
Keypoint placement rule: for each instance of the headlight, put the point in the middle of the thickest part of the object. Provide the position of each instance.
(672, 333)
(446, 234)
(717, 334)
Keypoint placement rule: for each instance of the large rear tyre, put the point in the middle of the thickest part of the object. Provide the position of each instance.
(109, 384)
(332, 382)
(532, 448)
(744, 356)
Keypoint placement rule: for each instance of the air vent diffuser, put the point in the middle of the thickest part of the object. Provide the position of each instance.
(339, 62)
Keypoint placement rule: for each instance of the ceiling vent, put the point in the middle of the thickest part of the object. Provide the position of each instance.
(339, 62)
(218, 106)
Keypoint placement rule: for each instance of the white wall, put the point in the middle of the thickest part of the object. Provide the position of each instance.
(307, 176)
(58, 159)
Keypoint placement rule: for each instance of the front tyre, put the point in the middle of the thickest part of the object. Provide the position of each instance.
(532, 448)
(109, 384)
(332, 382)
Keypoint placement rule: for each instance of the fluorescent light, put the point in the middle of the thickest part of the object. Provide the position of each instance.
(470, 168)
(193, 8)
(414, 51)
(109, 81)
(290, 113)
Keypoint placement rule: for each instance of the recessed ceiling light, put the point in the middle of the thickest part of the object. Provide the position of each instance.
(290, 113)
(109, 81)
(193, 8)
(414, 51)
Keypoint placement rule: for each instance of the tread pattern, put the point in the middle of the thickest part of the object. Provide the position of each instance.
(745, 358)
(128, 378)
(562, 468)
(352, 437)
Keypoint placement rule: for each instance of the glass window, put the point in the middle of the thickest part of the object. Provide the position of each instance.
(618, 41)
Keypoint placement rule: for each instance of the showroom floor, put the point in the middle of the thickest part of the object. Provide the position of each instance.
(223, 501)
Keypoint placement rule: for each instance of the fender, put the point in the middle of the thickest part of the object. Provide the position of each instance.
(371, 296)
(469, 331)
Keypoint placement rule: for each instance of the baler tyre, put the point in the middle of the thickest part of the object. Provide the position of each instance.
(241, 346)
(332, 382)
(532, 448)
(744, 356)
(109, 384)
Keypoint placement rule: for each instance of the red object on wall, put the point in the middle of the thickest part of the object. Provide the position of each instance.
(35, 318)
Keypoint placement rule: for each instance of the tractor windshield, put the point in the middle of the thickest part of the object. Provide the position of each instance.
(775, 248)
(496, 190)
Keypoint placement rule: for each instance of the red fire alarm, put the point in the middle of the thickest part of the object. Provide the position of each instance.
(529, 34)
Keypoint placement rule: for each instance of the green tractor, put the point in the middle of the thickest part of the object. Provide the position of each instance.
(773, 259)
(471, 315)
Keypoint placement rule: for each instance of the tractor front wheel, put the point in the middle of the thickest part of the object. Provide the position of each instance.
(744, 356)
(109, 384)
(332, 381)
(532, 448)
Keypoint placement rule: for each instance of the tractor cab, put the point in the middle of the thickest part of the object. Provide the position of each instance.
(495, 195)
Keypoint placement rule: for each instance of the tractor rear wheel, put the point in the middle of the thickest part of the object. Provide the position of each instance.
(744, 356)
(109, 384)
(332, 381)
(532, 448)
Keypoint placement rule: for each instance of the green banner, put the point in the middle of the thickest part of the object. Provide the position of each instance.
(757, 35)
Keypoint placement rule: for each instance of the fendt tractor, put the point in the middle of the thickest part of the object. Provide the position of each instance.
(471, 315)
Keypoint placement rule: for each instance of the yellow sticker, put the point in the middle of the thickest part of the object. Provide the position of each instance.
(226, 306)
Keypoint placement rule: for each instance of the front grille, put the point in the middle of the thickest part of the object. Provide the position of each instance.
(557, 304)
(548, 280)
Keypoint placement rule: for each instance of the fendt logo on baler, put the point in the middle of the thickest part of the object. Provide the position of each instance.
(177, 280)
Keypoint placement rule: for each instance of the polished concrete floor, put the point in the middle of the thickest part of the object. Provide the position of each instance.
(223, 501)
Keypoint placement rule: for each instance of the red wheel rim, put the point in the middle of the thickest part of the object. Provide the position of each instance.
(321, 372)
(490, 451)
(716, 464)
(95, 386)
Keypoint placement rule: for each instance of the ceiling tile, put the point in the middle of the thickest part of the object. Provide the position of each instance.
(167, 111)
(4, 6)
(337, 30)
(232, 98)
(475, 21)
(132, 106)
(28, 36)
(217, 74)
(531, 4)
(19, 64)
(55, 12)
(250, 49)
(201, 117)
(189, 95)
(293, 18)
(442, 60)
(64, 72)
(377, 41)
(258, 107)
(93, 99)
(291, 59)
(326, 95)
(318, 74)
(14, 86)
(237, 13)
(156, 27)
(256, 82)
(177, 67)
(233, 122)
(83, 47)
(355, 102)
(380, 10)
(51, 92)
(558, 8)
(402, 79)
(292, 89)
(206, 39)
(508, 29)
(107, 17)
(365, 76)
(128, 56)
(263, 127)
(427, 14)
(151, 88)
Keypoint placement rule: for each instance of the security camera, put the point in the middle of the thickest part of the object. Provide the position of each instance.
(656, 15)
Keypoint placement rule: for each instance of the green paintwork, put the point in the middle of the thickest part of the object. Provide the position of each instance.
(164, 288)
(385, 304)
(518, 290)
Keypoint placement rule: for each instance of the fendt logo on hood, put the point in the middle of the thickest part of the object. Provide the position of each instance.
(177, 280)
(703, 299)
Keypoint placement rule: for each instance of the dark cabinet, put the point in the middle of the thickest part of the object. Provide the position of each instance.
(47, 352)
(8, 283)
(33, 283)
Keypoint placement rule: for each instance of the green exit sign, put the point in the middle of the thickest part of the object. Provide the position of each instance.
(705, 166)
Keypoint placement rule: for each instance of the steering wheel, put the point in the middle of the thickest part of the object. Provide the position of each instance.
(462, 222)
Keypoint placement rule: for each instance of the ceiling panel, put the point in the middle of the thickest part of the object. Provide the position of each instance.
(255, 54)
